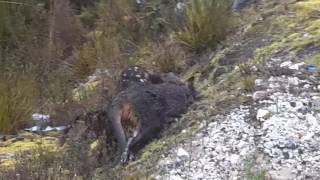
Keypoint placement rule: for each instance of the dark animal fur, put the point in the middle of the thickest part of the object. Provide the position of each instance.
(133, 75)
(154, 105)
(139, 75)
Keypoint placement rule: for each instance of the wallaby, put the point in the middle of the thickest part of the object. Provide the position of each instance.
(139, 112)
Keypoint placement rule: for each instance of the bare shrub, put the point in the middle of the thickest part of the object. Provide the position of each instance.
(66, 32)
(17, 100)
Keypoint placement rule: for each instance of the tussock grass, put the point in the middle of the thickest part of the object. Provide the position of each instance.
(248, 84)
(207, 22)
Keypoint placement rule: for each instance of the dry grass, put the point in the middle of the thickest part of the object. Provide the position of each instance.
(162, 57)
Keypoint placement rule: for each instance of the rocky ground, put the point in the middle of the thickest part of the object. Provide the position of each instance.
(276, 137)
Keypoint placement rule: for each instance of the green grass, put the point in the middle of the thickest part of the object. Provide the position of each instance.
(252, 173)
(207, 22)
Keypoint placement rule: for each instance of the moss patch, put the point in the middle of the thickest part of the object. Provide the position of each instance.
(308, 7)
(11, 149)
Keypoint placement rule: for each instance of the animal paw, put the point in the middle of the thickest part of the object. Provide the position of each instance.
(124, 157)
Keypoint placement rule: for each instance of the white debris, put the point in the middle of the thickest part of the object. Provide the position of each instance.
(286, 64)
(46, 129)
(33, 129)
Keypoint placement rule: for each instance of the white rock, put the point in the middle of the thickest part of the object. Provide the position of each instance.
(283, 174)
(275, 59)
(198, 176)
(312, 121)
(272, 79)
(165, 161)
(258, 82)
(175, 177)
(180, 6)
(268, 145)
(241, 144)
(306, 35)
(258, 95)
(254, 68)
(306, 86)
(184, 131)
(308, 136)
(262, 113)
(300, 115)
(286, 64)
(244, 151)
(293, 81)
(234, 158)
(182, 153)
(296, 66)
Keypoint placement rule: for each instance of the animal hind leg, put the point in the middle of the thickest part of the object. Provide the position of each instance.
(139, 139)
(143, 137)
(125, 155)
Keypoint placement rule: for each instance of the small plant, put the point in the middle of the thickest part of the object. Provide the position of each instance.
(315, 60)
(248, 83)
(207, 22)
(17, 98)
(253, 173)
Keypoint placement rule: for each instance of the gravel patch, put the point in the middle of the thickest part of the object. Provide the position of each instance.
(284, 144)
